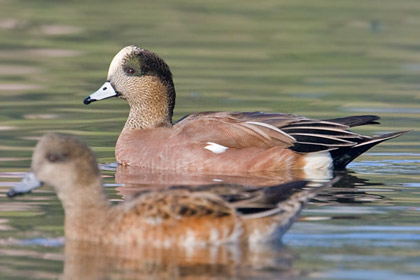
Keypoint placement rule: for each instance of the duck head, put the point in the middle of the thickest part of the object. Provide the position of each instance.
(143, 79)
(63, 162)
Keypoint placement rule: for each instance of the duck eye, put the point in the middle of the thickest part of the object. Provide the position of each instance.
(129, 70)
(56, 157)
(52, 157)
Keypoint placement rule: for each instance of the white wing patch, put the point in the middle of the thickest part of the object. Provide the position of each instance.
(215, 148)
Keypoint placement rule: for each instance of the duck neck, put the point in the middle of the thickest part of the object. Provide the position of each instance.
(83, 201)
(152, 105)
(86, 211)
(140, 117)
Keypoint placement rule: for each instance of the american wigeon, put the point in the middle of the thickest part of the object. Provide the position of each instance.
(219, 141)
(178, 216)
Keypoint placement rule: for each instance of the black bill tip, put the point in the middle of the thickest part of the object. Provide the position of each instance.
(12, 193)
(87, 100)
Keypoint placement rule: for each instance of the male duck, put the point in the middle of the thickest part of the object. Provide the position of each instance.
(219, 141)
(178, 216)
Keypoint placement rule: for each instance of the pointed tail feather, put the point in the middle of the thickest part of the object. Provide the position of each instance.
(342, 157)
(356, 120)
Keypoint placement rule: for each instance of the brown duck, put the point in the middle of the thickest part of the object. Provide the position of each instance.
(220, 141)
(178, 216)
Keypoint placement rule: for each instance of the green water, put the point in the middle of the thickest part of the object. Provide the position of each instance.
(321, 59)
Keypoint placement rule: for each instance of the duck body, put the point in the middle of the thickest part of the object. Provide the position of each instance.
(245, 141)
(219, 141)
(202, 143)
(157, 220)
(177, 216)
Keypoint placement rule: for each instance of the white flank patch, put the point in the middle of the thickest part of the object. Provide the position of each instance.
(215, 148)
(318, 165)
(319, 160)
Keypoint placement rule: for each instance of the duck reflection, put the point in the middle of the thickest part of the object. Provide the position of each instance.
(134, 178)
(84, 260)
(351, 189)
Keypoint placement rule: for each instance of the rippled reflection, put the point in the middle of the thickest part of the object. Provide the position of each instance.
(134, 178)
(91, 261)
(321, 59)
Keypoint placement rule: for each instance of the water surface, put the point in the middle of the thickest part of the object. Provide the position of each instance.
(321, 59)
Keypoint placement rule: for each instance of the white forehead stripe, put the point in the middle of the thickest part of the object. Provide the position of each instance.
(215, 148)
(116, 61)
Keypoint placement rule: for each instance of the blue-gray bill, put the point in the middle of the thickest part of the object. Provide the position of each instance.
(28, 183)
(104, 92)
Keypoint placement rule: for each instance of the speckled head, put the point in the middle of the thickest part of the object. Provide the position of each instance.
(125, 57)
(145, 81)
